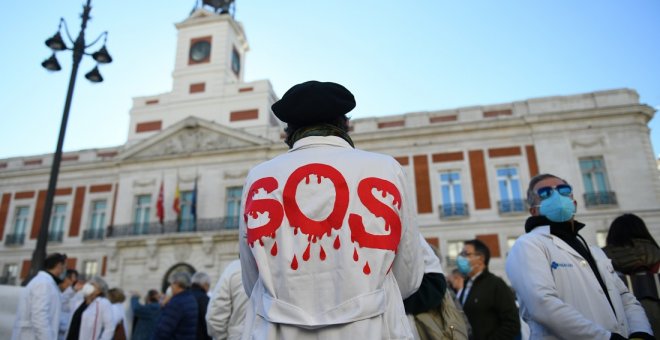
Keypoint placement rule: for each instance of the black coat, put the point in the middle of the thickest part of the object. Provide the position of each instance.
(491, 308)
(202, 305)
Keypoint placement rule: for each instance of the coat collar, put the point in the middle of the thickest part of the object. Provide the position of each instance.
(313, 141)
(545, 231)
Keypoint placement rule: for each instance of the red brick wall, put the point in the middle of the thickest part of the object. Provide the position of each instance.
(422, 184)
(155, 125)
(243, 115)
(531, 160)
(493, 243)
(76, 215)
(479, 179)
(4, 211)
(38, 214)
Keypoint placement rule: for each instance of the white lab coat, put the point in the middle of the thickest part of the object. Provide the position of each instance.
(119, 315)
(226, 311)
(559, 295)
(313, 272)
(97, 320)
(39, 308)
(70, 301)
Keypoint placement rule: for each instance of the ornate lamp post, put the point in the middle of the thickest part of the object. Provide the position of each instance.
(56, 43)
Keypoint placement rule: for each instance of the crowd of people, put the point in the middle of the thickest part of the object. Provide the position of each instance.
(57, 304)
(352, 264)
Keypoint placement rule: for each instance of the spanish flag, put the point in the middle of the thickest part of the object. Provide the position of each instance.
(177, 201)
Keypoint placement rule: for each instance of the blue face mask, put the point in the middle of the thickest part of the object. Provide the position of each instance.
(557, 208)
(463, 265)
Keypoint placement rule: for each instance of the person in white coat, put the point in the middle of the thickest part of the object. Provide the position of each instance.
(93, 319)
(226, 312)
(40, 306)
(566, 288)
(329, 245)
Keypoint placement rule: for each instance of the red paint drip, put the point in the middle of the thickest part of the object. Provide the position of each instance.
(273, 251)
(387, 227)
(295, 230)
(261, 242)
(384, 193)
(337, 243)
(366, 269)
(355, 255)
(294, 263)
(318, 179)
(322, 254)
(314, 239)
(306, 253)
(307, 179)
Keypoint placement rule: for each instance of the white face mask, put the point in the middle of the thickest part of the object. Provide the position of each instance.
(88, 289)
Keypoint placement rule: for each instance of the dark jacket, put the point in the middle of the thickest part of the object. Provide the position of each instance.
(202, 304)
(491, 308)
(179, 318)
(641, 256)
(145, 317)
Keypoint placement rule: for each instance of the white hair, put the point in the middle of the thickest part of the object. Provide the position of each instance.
(201, 279)
(182, 279)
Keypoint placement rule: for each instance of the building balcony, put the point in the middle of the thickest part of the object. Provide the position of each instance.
(173, 227)
(93, 234)
(453, 210)
(14, 239)
(511, 207)
(598, 199)
(55, 236)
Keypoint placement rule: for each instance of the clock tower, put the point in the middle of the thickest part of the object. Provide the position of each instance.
(208, 82)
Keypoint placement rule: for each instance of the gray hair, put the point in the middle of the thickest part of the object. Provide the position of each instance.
(182, 279)
(201, 279)
(100, 283)
(531, 194)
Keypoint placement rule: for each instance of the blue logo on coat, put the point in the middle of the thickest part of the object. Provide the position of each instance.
(555, 265)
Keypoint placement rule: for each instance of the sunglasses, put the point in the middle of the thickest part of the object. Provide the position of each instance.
(562, 189)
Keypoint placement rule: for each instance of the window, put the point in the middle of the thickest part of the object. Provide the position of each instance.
(56, 227)
(601, 238)
(97, 221)
(187, 219)
(596, 189)
(9, 274)
(453, 249)
(20, 226)
(142, 214)
(451, 195)
(90, 268)
(510, 195)
(233, 207)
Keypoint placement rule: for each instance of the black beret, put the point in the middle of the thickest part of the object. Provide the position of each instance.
(313, 102)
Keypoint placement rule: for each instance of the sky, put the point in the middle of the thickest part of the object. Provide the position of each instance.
(396, 57)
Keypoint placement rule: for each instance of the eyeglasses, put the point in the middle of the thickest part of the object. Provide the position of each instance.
(562, 189)
(466, 254)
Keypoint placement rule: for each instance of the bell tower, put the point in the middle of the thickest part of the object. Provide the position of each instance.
(210, 51)
(208, 80)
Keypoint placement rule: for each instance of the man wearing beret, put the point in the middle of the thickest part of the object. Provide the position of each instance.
(329, 245)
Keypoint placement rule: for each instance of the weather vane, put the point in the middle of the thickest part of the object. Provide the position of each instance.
(219, 6)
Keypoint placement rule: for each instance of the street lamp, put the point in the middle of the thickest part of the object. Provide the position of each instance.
(57, 43)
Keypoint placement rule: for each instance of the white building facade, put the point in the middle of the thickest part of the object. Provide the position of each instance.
(469, 168)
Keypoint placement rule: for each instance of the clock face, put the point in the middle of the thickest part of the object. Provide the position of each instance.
(200, 51)
(235, 62)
